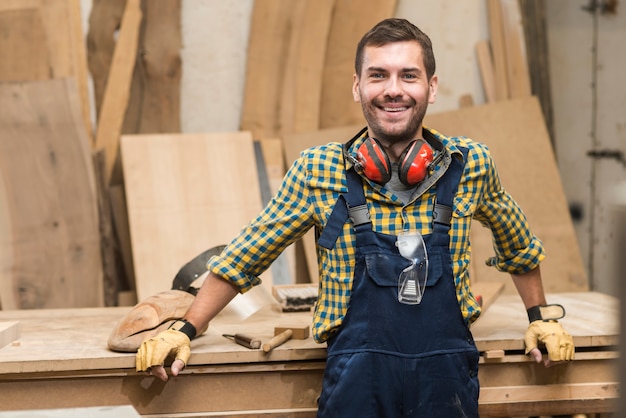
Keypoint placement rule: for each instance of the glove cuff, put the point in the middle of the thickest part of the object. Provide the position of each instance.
(185, 327)
(550, 312)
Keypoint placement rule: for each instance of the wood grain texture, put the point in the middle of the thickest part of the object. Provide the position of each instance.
(185, 193)
(350, 20)
(64, 42)
(154, 103)
(592, 318)
(498, 48)
(515, 46)
(9, 332)
(270, 32)
(516, 135)
(52, 249)
(23, 46)
(117, 91)
(300, 101)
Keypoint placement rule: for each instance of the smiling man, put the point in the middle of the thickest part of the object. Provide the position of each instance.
(392, 208)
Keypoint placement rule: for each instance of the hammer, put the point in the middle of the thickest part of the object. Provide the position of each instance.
(284, 334)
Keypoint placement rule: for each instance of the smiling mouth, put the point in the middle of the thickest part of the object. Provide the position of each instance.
(394, 109)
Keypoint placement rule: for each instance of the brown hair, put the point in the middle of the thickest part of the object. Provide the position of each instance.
(396, 30)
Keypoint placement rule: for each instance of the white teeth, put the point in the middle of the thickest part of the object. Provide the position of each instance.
(394, 109)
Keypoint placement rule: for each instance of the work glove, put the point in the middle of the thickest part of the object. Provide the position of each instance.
(559, 344)
(155, 350)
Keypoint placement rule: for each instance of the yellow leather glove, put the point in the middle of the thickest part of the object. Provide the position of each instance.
(558, 342)
(155, 350)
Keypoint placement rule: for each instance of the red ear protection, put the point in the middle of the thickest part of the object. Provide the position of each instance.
(414, 162)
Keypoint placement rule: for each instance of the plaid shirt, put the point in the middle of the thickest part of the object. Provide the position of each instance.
(309, 192)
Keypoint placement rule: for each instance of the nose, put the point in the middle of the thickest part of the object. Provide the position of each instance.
(393, 88)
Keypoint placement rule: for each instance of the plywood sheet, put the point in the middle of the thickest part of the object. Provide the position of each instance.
(185, 193)
(51, 248)
(515, 133)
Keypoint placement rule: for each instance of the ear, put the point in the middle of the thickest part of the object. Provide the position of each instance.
(356, 94)
(432, 85)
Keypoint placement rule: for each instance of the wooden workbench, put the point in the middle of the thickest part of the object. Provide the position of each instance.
(60, 360)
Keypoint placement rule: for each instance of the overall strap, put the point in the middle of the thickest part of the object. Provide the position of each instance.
(446, 189)
(351, 205)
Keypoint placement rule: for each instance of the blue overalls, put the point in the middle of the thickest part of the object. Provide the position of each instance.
(390, 359)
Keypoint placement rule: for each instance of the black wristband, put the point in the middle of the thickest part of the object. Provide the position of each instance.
(185, 327)
(545, 312)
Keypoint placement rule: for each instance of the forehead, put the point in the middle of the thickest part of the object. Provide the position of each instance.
(405, 54)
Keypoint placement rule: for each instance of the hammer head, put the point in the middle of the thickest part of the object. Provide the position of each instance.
(299, 332)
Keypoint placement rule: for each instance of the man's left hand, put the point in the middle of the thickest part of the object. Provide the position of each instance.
(559, 344)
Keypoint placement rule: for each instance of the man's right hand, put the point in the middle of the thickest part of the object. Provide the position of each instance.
(153, 352)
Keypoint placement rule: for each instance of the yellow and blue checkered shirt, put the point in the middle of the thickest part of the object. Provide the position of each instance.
(307, 197)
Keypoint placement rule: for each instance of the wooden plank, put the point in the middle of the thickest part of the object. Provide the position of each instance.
(532, 178)
(65, 44)
(154, 103)
(517, 67)
(126, 411)
(270, 31)
(53, 244)
(350, 21)
(9, 332)
(487, 76)
(591, 317)
(115, 100)
(498, 48)
(23, 46)
(300, 102)
(104, 22)
(558, 399)
(185, 193)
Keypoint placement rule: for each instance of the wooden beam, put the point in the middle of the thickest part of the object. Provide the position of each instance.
(498, 48)
(115, 100)
(485, 65)
(351, 19)
(515, 47)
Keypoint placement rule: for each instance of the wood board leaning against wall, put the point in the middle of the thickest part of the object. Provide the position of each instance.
(50, 243)
(185, 193)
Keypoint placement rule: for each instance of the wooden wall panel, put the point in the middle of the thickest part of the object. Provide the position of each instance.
(51, 253)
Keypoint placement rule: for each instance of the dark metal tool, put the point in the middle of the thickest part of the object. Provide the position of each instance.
(244, 340)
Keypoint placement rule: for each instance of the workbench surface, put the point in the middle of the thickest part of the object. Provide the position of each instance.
(70, 344)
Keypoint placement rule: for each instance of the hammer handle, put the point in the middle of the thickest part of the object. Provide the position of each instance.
(277, 340)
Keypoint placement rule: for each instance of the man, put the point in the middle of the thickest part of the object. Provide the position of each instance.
(397, 330)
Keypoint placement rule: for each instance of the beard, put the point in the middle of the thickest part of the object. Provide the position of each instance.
(394, 131)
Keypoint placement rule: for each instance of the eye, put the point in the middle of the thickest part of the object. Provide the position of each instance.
(410, 76)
